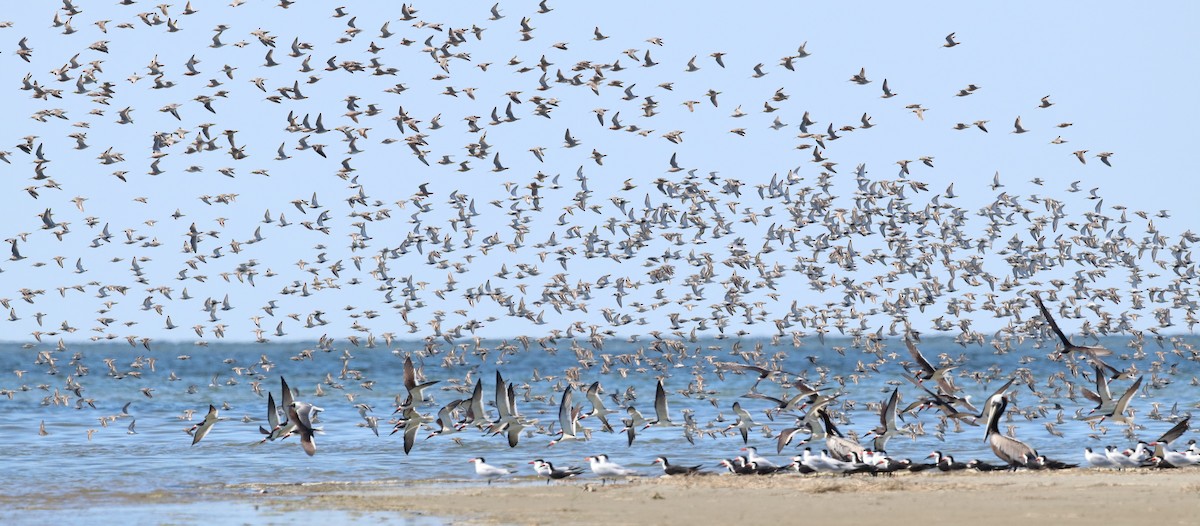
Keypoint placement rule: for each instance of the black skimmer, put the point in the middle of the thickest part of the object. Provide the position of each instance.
(302, 414)
(807, 394)
(598, 410)
(744, 422)
(546, 469)
(445, 421)
(476, 415)
(927, 371)
(1117, 412)
(662, 416)
(279, 429)
(416, 392)
(507, 421)
(980, 465)
(1173, 434)
(635, 421)
(410, 422)
(198, 431)
(946, 462)
(488, 471)
(1041, 462)
(887, 422)
(668, 469)
(272, 420)
(1068, 347)
(568, 419)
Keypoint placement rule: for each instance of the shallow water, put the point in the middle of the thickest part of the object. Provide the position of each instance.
(160, 457)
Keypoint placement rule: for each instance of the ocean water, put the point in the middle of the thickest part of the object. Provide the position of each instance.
(158, 455)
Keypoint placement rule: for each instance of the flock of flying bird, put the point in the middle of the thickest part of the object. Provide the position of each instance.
(582, 258)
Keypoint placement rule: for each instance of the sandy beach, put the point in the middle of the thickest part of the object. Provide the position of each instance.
(1063, 497)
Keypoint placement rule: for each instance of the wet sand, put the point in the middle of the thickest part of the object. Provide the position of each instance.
(1062, 498)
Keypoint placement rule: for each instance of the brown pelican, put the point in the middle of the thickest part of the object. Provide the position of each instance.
(1012, 451)
(840, 447)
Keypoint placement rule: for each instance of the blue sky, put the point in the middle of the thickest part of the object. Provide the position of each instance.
(1118, 73)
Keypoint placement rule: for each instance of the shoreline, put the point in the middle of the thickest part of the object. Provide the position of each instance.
(1065, 497)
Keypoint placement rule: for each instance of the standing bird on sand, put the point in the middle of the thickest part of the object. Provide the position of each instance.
(1012, 451)
(668, 469)
(488, 471)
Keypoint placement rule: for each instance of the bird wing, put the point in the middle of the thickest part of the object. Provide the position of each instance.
(1049, 318)
(272, 412)
(660, 404)
(564, 414)
(287, 393)
(410, 375)
(1125, 398)
(918, 357)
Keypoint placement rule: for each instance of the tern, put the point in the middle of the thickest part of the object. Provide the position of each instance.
(606, 469)
(488, 471)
